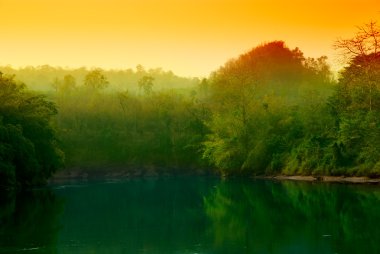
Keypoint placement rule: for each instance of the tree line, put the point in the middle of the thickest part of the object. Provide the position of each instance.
(43, 78)
(269, 111)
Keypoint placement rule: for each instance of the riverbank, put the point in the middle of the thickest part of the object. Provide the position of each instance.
(115, 173)
(121, 172)
(328, 179)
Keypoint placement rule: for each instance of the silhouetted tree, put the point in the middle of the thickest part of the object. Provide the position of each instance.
(363, 53)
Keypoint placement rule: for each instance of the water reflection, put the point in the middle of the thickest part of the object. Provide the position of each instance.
(137, 216)
(193, 215)
(293, 217)
(29, 222)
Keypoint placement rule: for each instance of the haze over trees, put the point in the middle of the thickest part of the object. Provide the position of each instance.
(41, 78)
(269, 111)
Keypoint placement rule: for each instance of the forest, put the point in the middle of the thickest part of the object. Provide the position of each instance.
(269, 111)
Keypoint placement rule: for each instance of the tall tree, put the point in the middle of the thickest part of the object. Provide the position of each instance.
(356, 102)
(29, 151)
(253, 123)
(362, 52)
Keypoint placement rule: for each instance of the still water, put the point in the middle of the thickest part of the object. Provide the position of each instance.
(193, 215)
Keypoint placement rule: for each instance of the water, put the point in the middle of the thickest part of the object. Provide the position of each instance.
(193, 215)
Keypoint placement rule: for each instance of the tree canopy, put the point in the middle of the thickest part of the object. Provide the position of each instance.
(29, 151)
(270, 111)
(259, 102)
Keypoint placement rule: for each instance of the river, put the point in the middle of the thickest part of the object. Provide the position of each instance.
(192, 215)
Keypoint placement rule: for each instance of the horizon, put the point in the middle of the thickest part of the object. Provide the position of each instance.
(191, 39)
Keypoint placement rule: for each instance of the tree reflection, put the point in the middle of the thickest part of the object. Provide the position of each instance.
(293, 217)
(29, 221)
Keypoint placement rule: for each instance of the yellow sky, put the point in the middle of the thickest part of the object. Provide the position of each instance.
(192, 38)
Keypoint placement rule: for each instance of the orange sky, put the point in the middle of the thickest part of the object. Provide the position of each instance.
(192, 38)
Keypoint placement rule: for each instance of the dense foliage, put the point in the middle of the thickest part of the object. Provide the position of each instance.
(124, 129)
(269, 111)
(275, 112)
(356, 110)
(28, 146)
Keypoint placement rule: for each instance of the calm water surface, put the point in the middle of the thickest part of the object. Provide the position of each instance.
(193, 215)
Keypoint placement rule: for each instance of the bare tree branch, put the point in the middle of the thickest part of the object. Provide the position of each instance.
(364, 43)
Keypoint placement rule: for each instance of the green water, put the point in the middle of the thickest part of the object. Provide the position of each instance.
(193, 215)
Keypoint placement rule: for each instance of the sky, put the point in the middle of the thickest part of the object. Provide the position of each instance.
(189, 37)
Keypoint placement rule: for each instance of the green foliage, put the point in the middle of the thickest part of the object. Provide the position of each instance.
(264, 105)
(28, 147)
(224, 146)
(269, 111)
(276, 112)
(356, 107)
(162, 130)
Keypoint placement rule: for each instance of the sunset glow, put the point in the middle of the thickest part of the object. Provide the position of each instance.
(192, 38)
